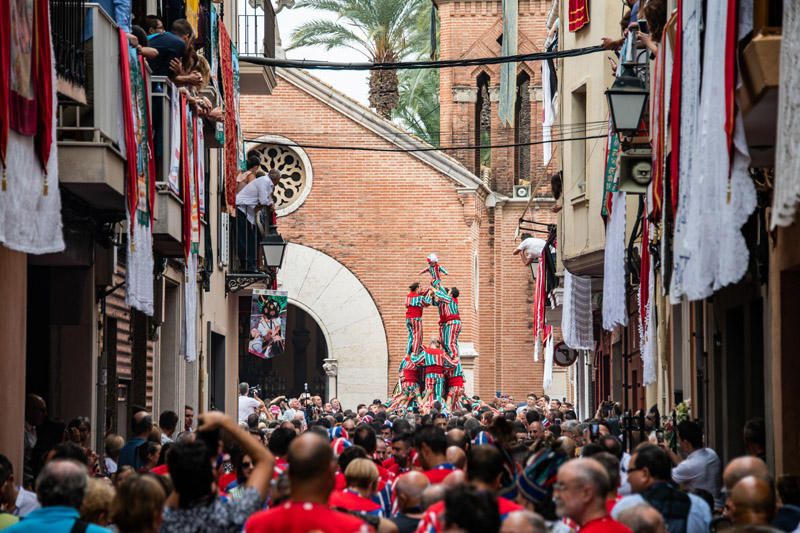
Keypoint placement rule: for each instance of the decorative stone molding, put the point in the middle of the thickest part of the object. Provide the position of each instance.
(468, 95)
(297, 174)
(331, 367)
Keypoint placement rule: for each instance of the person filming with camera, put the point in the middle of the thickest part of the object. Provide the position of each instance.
(248, 405)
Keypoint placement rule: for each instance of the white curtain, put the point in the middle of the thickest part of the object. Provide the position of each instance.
(787, 163)
(614, 307)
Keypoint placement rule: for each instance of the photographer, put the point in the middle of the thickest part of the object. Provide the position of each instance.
(194, 504)
(248, 405)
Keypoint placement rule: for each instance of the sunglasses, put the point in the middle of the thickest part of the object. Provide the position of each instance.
(247, 465)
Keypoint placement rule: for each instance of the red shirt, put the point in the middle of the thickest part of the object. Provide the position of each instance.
(430, 522)
(437, 474)
(300, 517)
(281, 466)
(604, 525)
(160, 470)
(352, 501)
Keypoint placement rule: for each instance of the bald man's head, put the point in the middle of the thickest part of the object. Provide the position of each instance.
(457, 437)
(409, 489)
(433, 494)
(456, 456)
(310, 460)
(458, 477)
(643, 518)
(523, 522)
(742, 467)
(752, 502)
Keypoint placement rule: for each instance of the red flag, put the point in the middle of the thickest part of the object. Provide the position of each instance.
(578, 14)
(5, 65)
(675, 110)
(43, 73)
(231, 136)
(127, 123)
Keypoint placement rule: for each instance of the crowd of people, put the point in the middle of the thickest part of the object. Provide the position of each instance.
(301, 465)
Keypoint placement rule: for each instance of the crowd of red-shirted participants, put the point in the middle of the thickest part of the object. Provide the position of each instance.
(302, 465)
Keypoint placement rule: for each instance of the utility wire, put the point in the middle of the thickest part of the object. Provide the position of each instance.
(427, 149)
(413, 65)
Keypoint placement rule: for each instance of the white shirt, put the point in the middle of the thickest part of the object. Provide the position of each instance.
(111, 465)
(701, 469)
(532, 247)
(26, 502)
(247, 406)
(257, 192)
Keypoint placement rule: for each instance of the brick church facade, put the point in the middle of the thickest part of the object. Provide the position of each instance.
(378, 214)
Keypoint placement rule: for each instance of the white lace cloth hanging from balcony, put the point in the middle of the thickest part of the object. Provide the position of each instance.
(576, 316)
(716, 198)
(614, 308)
(786, 194)
(190, 309)
(648, 331)
(139, 269)
(30, 221)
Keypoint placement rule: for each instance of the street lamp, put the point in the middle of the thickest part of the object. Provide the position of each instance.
(627, 98)
(274, 248)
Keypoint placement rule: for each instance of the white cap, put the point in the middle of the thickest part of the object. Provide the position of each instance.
(432, 258)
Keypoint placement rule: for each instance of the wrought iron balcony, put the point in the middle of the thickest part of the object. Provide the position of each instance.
(247, 263)
(67, 27)
(256, 32)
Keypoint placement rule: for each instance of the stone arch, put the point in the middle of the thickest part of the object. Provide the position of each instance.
(348, 316)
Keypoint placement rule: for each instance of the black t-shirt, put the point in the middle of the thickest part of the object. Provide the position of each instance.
(405, 523)
(169, 47)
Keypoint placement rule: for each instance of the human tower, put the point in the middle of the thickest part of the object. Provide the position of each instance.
(431, 373)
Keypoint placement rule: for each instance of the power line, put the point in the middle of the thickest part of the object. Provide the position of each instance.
(313, 64)
(427, 149)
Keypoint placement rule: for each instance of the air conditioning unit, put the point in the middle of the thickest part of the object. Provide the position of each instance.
(635, 170)
(522, 192)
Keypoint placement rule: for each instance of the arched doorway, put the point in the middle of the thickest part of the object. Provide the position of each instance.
(299, 365)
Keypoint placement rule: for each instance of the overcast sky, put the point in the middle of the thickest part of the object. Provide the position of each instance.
(352, 83)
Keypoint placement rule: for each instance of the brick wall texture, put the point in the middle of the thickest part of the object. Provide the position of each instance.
(380, 214)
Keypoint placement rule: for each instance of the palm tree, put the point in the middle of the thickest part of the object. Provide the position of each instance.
(378, 29)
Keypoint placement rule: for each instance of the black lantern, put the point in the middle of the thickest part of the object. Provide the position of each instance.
(627, 99)
(274, 248)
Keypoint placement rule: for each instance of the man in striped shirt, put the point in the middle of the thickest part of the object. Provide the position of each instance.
(415, 302)
(449, 319)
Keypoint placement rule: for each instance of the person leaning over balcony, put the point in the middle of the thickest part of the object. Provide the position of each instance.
(170, 45)
(257, 193)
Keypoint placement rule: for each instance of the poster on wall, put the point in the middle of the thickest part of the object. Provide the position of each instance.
(267, 323)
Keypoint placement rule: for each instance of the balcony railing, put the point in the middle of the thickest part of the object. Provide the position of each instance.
(67, 27)
(101, 120)
(257, 29)
(246, 263)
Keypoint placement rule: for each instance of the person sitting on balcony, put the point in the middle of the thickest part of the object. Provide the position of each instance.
(256, 194)
(170, 45)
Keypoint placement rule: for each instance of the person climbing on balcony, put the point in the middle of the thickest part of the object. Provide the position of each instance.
(530, 249)
(254, 195)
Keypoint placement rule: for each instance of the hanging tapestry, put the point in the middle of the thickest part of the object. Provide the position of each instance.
(230, 136)
(549, 90)
(176, 127)
(578, 14)
(508, 71)
(140, 178)
(549, 345)
(576, 317)
(30, 201)
(267, 323)
(612, 168)
(787, 164)
(614, 305)
(199, 150)
(192, 13)
(241, 161)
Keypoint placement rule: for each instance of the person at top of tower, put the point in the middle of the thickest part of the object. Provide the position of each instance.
(436, 270)
(415, 302)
